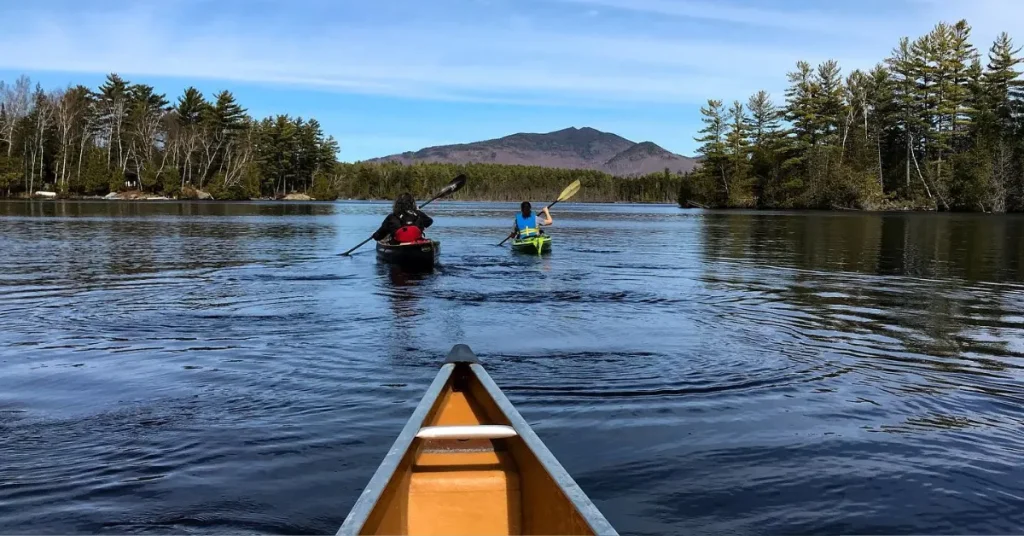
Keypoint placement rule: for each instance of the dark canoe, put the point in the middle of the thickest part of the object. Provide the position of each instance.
(467, 463)
(535, 245)
(421, 254)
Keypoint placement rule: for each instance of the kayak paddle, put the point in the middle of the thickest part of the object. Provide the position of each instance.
(454, 186)
(568, 192)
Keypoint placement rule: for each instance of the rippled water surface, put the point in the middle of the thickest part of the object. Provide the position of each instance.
(206, 368)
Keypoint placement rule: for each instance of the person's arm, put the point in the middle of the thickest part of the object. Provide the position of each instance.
(424, 220)
(547, 214)
(386, 228)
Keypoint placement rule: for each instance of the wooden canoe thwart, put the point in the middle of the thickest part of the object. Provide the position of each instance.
(467, 463)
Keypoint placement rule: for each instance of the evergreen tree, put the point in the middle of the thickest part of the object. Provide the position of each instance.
(827, 101)
(112, 97)
(713, 149)
(963, 55)
(1004, 87)
(882, 121)
(801, 110)
(765, 119)
(191, 107)
(737, 143)
(766, 136)
(906, 69)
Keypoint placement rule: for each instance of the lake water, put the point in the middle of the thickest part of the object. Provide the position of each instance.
(202, 368)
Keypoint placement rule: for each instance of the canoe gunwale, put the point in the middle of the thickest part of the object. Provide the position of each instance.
(360, 512)
(572, 490)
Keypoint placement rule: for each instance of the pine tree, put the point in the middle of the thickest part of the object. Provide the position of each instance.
(713, 146)
(941, 106)
(1001, 87)
(858, 86)
(765, 119)
(944, 57)
(191, 107)
(277, 154)
(905, 69)
(1003, 83)
(222, 121)
(802, 111)
(925, 96)
(963, 55)
(882, 120)
(111, 97)
(189, 113)
(766, 136)
(226, 113)
(828, 101)
(737, 141)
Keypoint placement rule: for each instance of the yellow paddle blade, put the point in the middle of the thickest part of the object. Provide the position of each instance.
(570, 190)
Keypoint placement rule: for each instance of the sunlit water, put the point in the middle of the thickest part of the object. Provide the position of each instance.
(206, 368)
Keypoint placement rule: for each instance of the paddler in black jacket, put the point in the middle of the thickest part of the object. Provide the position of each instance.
(405, 223)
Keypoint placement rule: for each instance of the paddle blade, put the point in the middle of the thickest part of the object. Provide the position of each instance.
(454, 186)
(570, 190)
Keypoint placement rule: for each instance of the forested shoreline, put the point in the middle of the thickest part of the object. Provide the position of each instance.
(935, 126)
(124, 136)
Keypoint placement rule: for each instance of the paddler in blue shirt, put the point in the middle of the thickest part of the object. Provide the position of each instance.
(527, 224)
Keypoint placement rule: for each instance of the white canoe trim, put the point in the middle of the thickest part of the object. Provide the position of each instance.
(482, 431)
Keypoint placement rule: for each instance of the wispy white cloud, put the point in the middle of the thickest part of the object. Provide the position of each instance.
(511, 63)
(822, 22)
(361, 61)
(503, 55)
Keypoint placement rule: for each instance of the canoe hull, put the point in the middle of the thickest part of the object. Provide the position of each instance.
(468, 463)
(535, 245)
(413, 255)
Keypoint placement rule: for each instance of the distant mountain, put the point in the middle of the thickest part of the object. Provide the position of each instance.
(645, 158)
(572, 148)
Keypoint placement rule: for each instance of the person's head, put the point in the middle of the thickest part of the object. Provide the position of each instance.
(403, 203)
(525, 208)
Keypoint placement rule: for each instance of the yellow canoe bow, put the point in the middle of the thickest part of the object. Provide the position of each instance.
(468, 463)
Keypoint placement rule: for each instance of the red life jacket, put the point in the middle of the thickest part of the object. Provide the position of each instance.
(408, 233)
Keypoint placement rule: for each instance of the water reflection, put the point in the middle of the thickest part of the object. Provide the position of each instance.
(402, 287)
(695, 371)
(134, 209)
(972, 247)
(917, 305)
(405, 290)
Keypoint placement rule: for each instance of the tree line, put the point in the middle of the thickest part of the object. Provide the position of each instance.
(494, 182)
(123, 135)
(937, 125)
(120, 136)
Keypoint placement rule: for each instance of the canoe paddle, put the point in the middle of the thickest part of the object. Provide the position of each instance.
(454, 186)
(568, 192)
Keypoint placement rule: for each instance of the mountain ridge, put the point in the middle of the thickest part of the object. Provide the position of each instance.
(568, 148)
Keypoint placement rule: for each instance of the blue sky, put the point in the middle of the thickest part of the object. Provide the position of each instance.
(386, 76)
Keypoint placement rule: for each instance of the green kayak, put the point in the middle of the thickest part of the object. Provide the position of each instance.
(535, 244)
